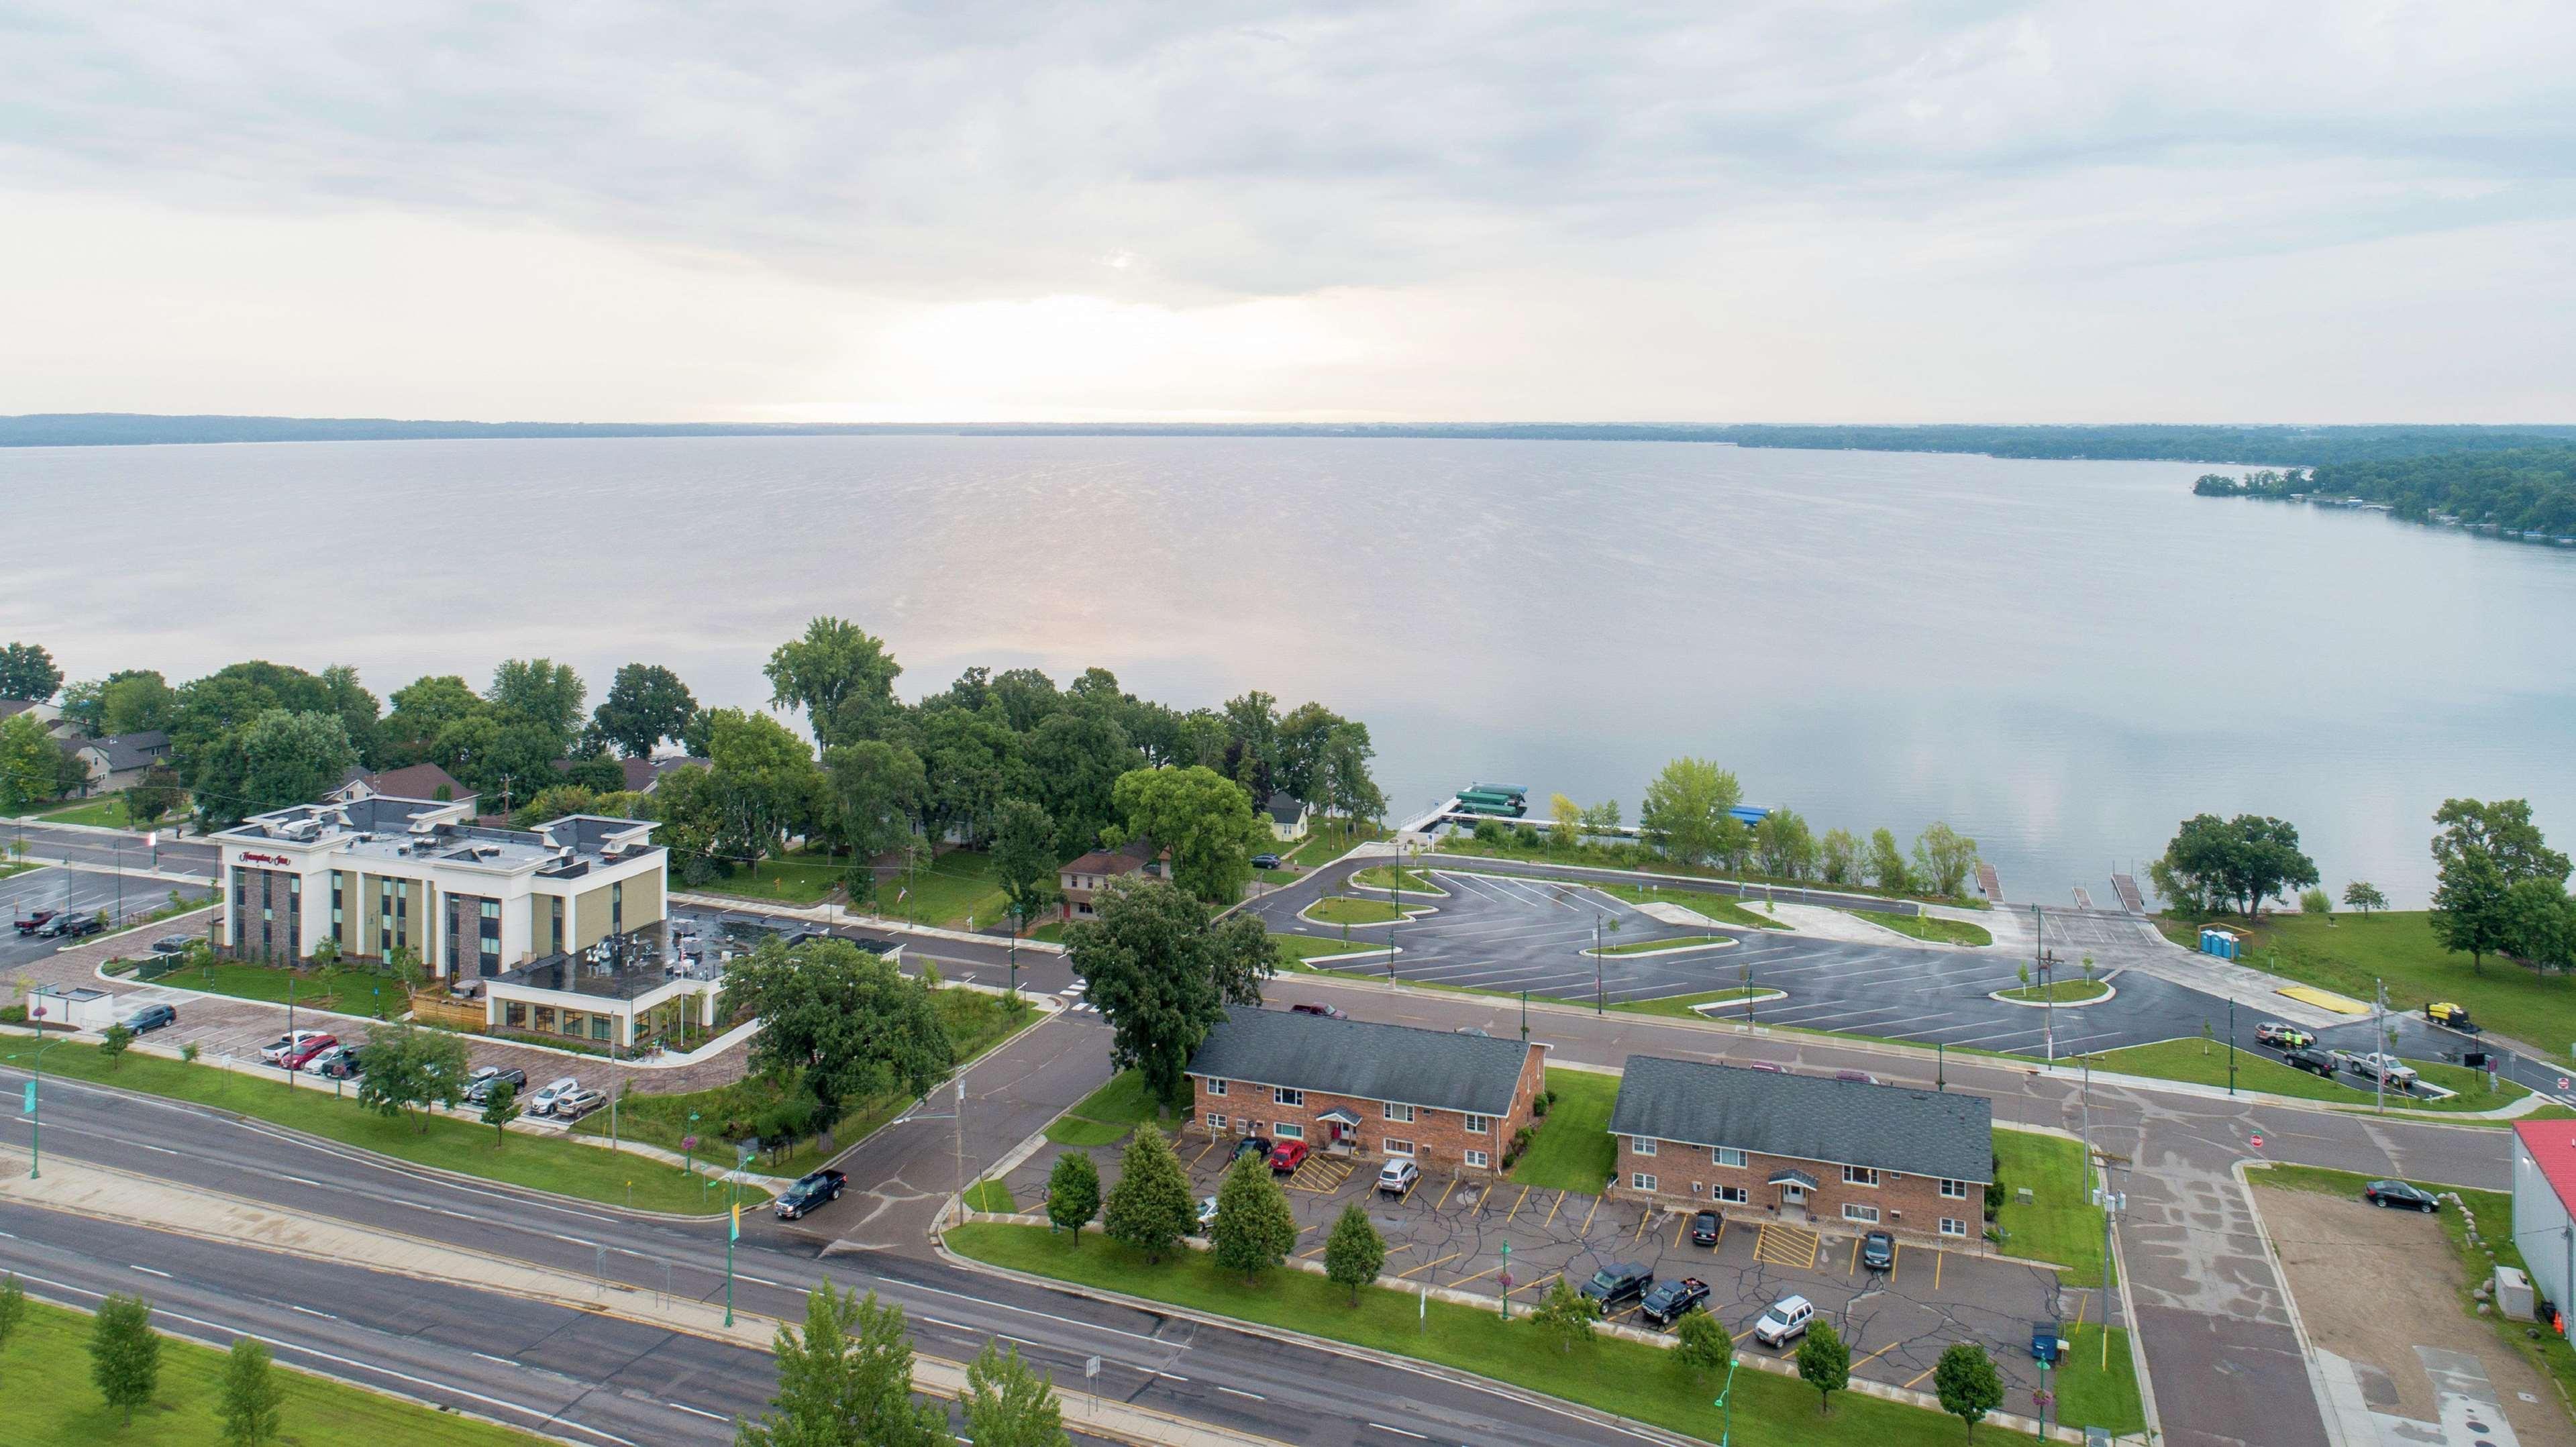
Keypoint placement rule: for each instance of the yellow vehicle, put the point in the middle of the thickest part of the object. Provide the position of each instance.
(2443, 1012)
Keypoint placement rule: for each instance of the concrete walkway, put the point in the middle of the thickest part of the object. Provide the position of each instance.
(95, 1193)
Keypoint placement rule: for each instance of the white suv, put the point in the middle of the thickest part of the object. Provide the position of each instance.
(543, 1102)
(1785, 1322)
(1397, 1177)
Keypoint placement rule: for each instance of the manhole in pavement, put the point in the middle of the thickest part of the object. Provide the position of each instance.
(2526, 1396)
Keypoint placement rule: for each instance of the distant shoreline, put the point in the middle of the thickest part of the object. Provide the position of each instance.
(2216, 445)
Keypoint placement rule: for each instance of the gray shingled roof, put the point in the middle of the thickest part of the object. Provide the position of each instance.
(1429, 1068)
(1842, 1122)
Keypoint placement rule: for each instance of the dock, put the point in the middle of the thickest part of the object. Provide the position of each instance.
(1989, 883)
(2127, 889)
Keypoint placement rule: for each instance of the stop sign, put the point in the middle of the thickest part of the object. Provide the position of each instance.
(2258, 1141)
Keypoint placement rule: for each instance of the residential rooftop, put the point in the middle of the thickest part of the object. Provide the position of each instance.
(1846, 1122)
(1435, 1069)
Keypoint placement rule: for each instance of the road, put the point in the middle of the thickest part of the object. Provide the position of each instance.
(1216, 1374)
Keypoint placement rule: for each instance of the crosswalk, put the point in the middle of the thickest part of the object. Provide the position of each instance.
(1074, 1004)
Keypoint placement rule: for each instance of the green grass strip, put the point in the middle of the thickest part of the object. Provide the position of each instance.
(1572, 1149)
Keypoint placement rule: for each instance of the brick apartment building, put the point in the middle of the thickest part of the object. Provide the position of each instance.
(1837, 1154)
(1447, 1102)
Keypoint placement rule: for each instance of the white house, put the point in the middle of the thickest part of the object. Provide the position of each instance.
(2544, 1206)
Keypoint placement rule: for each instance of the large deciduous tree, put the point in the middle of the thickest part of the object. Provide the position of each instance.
(30, 763)
(1071, 765)
(1967, 1383)
(1342, 774)
(845, 1380)
(645, 705)
(2244, 860)
(846, 1021)
(875, 788)
(763, 777)
(1945, 858)
(541, 692)
(277, 759)
(841, 677)
(1685, 813)
(1008, 1404)
(422, 711)
(27, 671)
(1784, 845)
(1163, 974)
(1024, 858)
(1205, 820)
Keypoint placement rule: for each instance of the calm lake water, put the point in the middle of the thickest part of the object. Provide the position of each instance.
(2062, 659)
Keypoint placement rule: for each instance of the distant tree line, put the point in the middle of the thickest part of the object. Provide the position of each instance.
(2520, 489)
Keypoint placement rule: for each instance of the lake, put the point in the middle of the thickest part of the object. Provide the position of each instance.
(2061, 659)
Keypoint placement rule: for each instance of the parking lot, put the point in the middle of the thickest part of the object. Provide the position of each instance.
(1450, 1233)
(88, 891)
(1490, 932)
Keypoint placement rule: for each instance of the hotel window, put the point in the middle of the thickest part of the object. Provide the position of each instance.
(1732, 1195)
(1282, 1095)
(1642, 1181)
(555, 940)
(1395, 1147)
(1954, 1190)
(1727, 1156)
(1215, 1121)
(1642, 1145)
(1479, 1124)
(1953, 1226)
(1478, 1160)
(1856, 1212)
(617, 908)
(1216, 1087)
(599, 1027)
(1403, 1113)
(1860, 1176)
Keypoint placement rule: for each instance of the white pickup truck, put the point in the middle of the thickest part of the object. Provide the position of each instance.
(2387, 1069)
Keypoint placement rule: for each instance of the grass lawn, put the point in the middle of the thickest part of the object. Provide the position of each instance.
(53, 1404)
(797, 879)
(1572, 1150)
(1679, 1006)
(2096, 1382)
(1382, 876)
(1717, 907)
(2494, 1210)
(1331, 840)
(1276, 876)
(1293, 948)
(990, 1195)
(2064, 992)
(538, 1162)
(1928, 927)
(2205, 1063)
(1105, 1116)
(349, 989)
(1339, 909)
(976, 1022)
(1676, 942)
(105, 810)
(2060, 1223)
(1052, 932)
(1631, 1379)
(2347, 952)
(8, 867)
(958, 886)
(1644, 860)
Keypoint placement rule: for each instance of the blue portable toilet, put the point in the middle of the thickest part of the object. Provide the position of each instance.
(2219, 942)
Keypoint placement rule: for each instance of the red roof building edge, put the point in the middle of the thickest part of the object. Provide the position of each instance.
(2552, 1144)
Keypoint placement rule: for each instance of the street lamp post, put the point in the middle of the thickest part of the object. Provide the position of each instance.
(1726, 1402)
(35, 1100)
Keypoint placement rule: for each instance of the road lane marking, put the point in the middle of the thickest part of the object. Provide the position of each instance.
(308, 1311)
(1256, 1396)
(1399, 1431)
(150, 1271)
(697, 1412)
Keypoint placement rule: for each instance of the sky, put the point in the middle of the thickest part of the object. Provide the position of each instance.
(1834, 210)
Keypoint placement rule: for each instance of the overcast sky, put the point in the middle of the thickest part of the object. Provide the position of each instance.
(1937, 211)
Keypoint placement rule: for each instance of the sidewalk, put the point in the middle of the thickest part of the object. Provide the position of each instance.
(96, 1193)
(837, 915)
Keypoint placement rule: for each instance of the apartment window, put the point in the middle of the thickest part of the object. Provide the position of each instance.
(1727, 1156)
(1216, 1087)
(1288, 1130)
(1865, 1214)
(1215, 1122)
(1954, 1190)
(1732, 1195)
(1403, 1113)
(1642, 1145)
(1479, 1124)
(1282, 1095)
(1396, 1147)
(1860, 1176)
(1641, 1181)
(1477, 1160)
(1953, 1226)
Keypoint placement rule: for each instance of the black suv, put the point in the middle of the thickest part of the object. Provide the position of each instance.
(1670, 1301)
(71, 925)
(1704, 1228)
(480, 1085)
(810, 1192)
(2310, 1058)
(1618, 1284)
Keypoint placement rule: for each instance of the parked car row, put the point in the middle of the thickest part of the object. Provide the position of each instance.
(59, 924)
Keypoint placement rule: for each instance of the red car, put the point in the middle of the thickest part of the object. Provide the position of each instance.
(1288, 1156)
(305, 1054)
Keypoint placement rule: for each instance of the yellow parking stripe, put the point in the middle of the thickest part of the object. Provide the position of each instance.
(1516, 1206)
(1895, 1260)
(1427, 1265)
(1444, 1192)
(1874, 1356)
(1479, 1276)
(1649, 1215)
(1202, 1155)
(1852, 1268)
(1927, 1371)
(1552, 1210)
(1938, 1258)
(1587, 1218)
(1681, 1223)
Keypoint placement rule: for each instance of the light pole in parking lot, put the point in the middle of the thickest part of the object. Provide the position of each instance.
(1726, 1403)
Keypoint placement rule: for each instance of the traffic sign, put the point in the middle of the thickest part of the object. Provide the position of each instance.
(736, 1232)
(2258, 1141)
(1091, 1366)
(2562, 1082)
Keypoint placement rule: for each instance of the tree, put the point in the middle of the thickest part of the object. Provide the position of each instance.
(2503, 832)
(1686, 812)
(1008, 1404)
(1967, 1383)
(845, 1020)
(2364, 896)
(1565, 1316)
(1886, 866)
(1701, 1343)
(421, 713)
(541, 692)
(841, 677)
(1073, 1193)
(645, 704)
(27, 671)
(113, 1043)
(845, 1380)
(29, 759)
(1024, 858)
(500, 1107)
(1601, 818)
(2245, 860)
(13, 1308)
(1071, 766)
(1838, 857)
(1824, 1363)
(1343, 778)
(1206, 821)
(277, 759)
(2314, 900)
(124, 1354)
(2485, 852)
(1149, 1208)
(154, 795)
(1354, 1253)
(876, 789)
(1568, 818)
(2540, 923)
(2473, 908)
(1162, 974)
(1299, 768)
(1254, 1228)
(134, 701)
(1945, 858)
(763, 780)
(1785, 845)
(250, 1395)
(403, 1067)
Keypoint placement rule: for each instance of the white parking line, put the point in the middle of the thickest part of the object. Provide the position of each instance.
(1256, 1396)
(1399, 1431)
(150, 1271)
(710, 1416)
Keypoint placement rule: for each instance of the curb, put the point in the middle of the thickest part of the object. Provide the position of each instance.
(2109, 993)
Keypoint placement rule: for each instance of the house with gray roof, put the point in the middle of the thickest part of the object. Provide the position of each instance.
(118, 761)
(1839, 1154)
(1448, 1102)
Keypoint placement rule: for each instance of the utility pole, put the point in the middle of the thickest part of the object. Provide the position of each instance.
(2048, 1002)
(2379, 1044)
(2231, 1045)
(2113, 1203)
